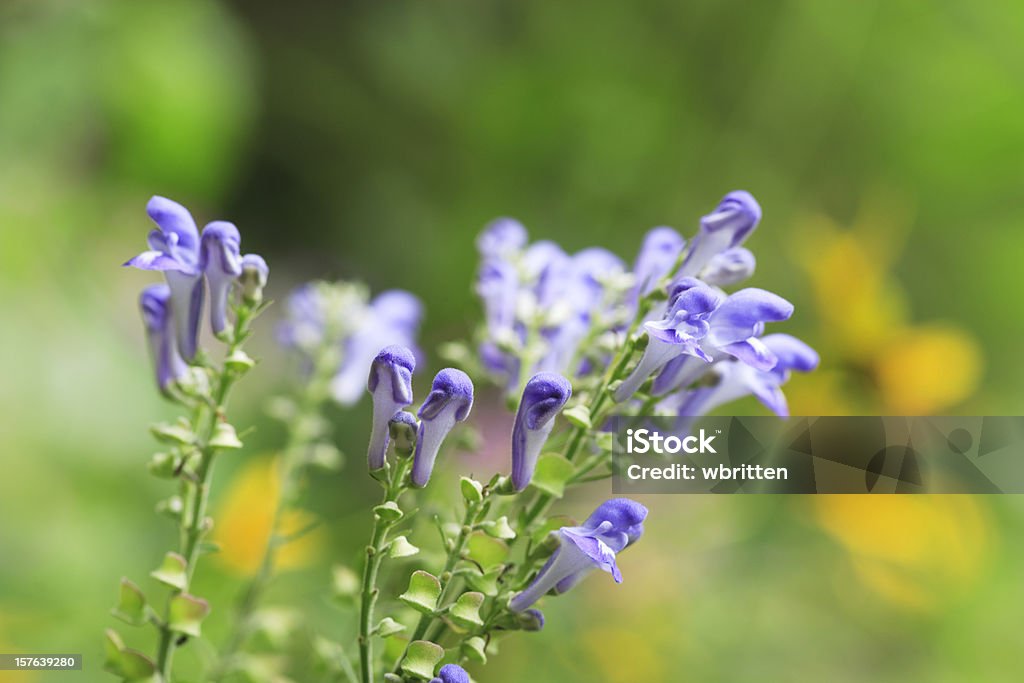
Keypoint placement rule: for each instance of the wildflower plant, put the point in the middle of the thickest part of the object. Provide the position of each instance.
(571, 340)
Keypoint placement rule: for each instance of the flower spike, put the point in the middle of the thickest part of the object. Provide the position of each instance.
(449, 402)
(390, 382)
(543, 397)
(221, 261)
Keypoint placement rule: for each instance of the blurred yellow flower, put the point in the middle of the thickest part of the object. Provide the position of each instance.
(245, 516)
(917, 551)
(875, 358)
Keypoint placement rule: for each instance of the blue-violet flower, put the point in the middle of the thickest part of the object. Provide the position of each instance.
(543, 397)
(390, 382)
(449, 402)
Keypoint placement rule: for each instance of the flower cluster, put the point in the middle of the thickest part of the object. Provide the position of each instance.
(172, 312)
(701, 346)
(342, 315)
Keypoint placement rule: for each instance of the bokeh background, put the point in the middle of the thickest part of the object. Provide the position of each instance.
(372, 140)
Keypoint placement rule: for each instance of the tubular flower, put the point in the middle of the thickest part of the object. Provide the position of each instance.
(174, 251)
(156, 316)
(449, 402)
(221, 263)
(658, 254)
(544, 396)
(732, 221)
(254, 278)
(736, 380)
(730, 267)
(614, 525)
(390, 382)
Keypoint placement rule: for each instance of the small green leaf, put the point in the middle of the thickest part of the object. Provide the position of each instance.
(551, 475)
(225, 437)
(500, 528)
(578, 416)
(605, 441)
(472, 490)
(486, 583)
(172, 572)
(401, 547)
(131, 605)
(171, 507)
(239, 361)
(388, 627)
(486, 551)
(187, 613)
(423, 592)
(466, 610)
(136, 666)
(388, 512)
(473, 650)
(164, 465)
(422, 658)
(179, 433)
(112, 646)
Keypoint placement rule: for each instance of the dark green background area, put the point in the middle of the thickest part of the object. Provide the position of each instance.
(371, 141)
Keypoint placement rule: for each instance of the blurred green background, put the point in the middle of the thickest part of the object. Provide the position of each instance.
(372, 140)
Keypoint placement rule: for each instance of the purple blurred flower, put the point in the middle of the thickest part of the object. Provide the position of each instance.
(729, 267)
(614, 525)
(221, 261)
(157, 318)
(732, 221)
(658, 254)
(501, 238)
(174, 250)
(390, 382)
(543, 397)
(451, 673)
(449, 402)
(393, 317)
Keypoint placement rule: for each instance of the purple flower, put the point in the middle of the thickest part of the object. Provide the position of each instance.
(449, 402)
(393, 317)
(174, 250)
(451, 673)
(544, 396)
(497, 286)
(157, 318)
(729, 267)
(614, 525)
(501, 238)
(658, 254)
(737, 380)
(732, 221)
(390, 382)
(702, 323)
(221, 261)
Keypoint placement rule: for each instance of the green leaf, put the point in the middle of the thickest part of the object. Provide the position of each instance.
(551, 475)
(551, 524)
(225, 437)
(422, 658)
(473, 650)
(486, 583)
(239, 361)
(578, 416)
(172, 572)
(466, 610)
(388, 512)
(500, 528)
(179, 433)
(129, 664)
(187, 613)
(131, 605)
(388, 627)
(472, 490)
(401, 547)
(605, 441)
(164, 465)
(423, 592)
(486, 551)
